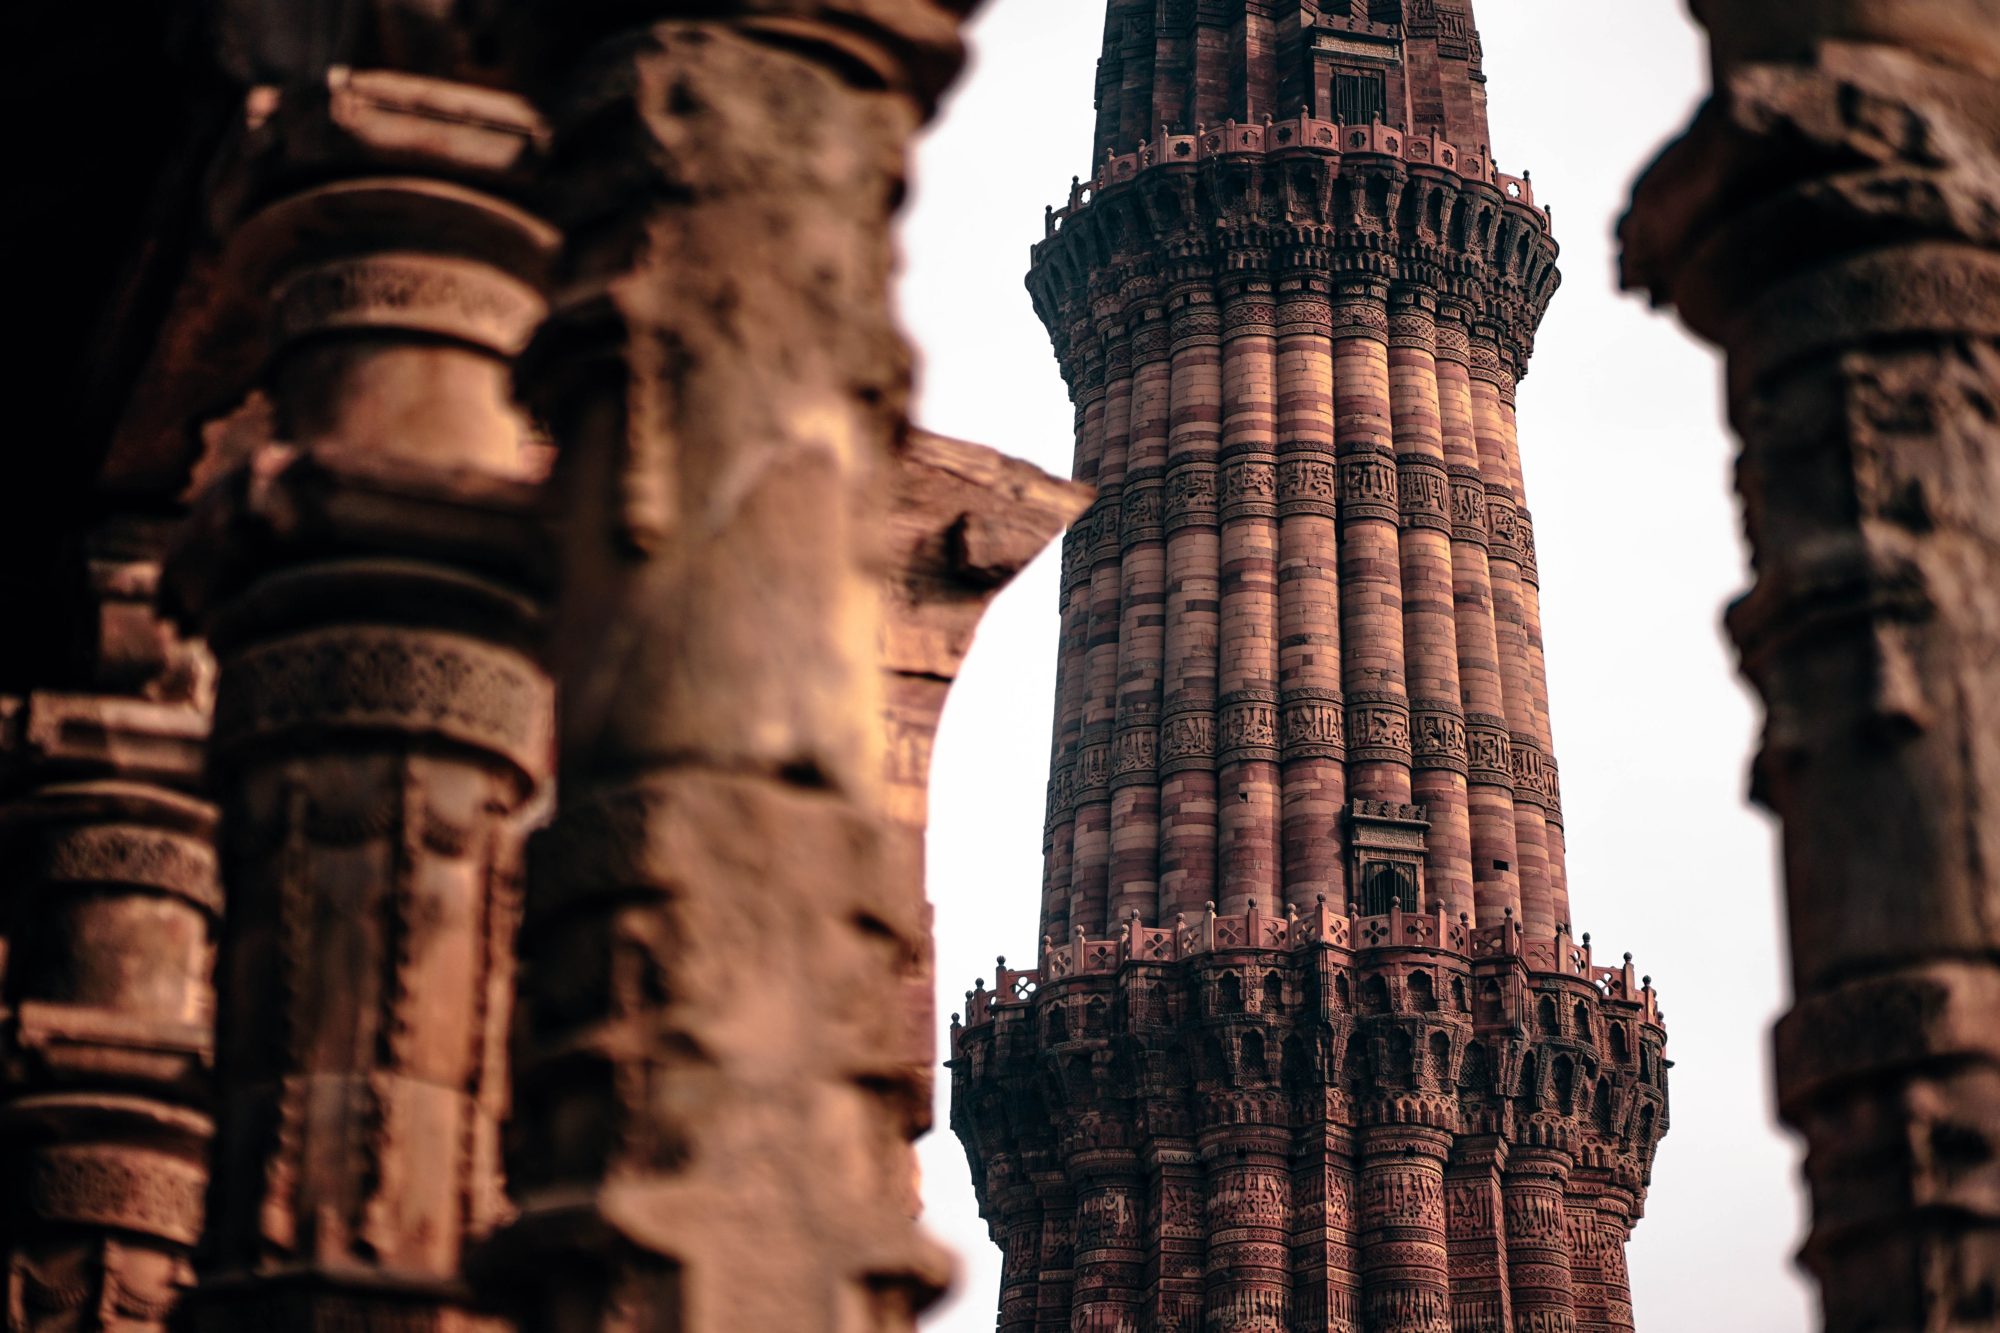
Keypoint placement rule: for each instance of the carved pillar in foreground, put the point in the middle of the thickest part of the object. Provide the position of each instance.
(1828, 221)
(108, 861)
(724, 1030)
(367, 583)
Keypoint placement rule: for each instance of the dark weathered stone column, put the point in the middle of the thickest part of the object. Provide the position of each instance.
(1538, 1255)
(1476, 1236)
(367, 582)
(1828, 220)
(107, 855)
(1404, 1263)
(724, 1032)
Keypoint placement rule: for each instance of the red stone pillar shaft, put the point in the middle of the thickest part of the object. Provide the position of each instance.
(111, 912)
(381, 719)
(1194, 566)
(1249, 1219)
(1404, 1264)
(1247, 714)
(1856, 290)
(1326, 1287)
(1313, 721)
(724, 1050)
(1490, 772)
(1101, 455)
(1371, 576)
(1513, 632)
(1476, 1236)
(1538, 1265)
(1110, 1249)
(1142, 602)
(1430, 626)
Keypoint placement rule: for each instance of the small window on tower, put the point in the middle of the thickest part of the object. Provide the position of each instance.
(1359, 97)
(1385, 883)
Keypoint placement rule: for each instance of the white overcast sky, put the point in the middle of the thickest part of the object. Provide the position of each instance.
(1627, 465)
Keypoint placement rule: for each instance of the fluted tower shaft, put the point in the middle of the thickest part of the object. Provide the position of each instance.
(1310, 1045)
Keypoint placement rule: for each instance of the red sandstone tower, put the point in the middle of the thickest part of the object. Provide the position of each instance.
(1311, 1046)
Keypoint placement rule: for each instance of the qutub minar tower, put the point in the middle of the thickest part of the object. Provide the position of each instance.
(1311, 1045)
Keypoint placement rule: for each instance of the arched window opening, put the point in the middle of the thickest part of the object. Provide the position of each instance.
(1384, 884)
(1253, 1055)
(1423, 997)
(1474, 1074)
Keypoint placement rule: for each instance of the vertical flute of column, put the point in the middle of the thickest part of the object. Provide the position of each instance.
(1538, 1267)
(1187, 722)
(1404, 1264)
(1543, 786)
(1615, 1208)
(1142, 609)
(1020, 1241)
(723, 1055)
(1131, 887)
(1586, 1236)
(1248, 1283)
(1476, 1236)
(1109, 433)
(1110, 1250)
(1325, 1281)
(1247, 714)
(112, 907)
(1430, 626)
(1058, 1253)
(1489, 767)
(1312, 711)
(1512, 630)
(1174, 1281)
(382, 721)
(1371, 576)
(1059, 901)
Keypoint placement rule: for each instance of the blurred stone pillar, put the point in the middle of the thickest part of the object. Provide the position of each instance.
(1828, 221)
(368, 581)
(111, 905)
(724, 1038)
